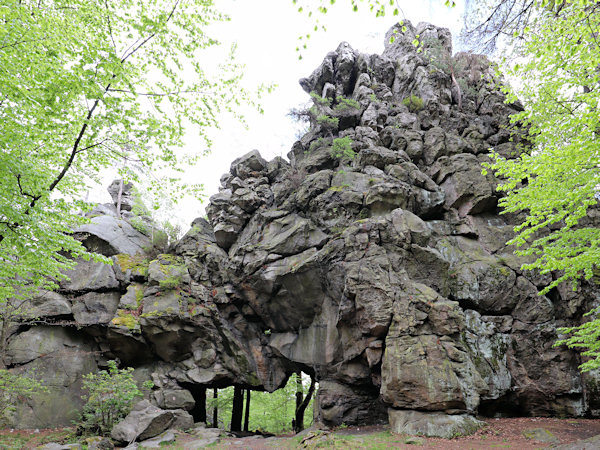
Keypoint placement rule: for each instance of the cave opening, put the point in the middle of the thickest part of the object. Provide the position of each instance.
(243, 410)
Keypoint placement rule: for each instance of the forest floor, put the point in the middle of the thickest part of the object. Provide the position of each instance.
(498, 433)
(514, 433)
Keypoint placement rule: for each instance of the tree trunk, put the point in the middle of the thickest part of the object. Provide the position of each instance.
(198, 412)
(302, 404)
(247, 412)
(119, 198)
(215, 422)
(3, 337)
(237, 409)
(299, 397)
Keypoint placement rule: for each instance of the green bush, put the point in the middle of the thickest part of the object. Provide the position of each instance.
(140, 225)
(327, 121)
(110, 396)
(346, 103)
(318, 143)
(324, 101)
(170, 282)
(413, 103)
(342, 148)
(15, 388)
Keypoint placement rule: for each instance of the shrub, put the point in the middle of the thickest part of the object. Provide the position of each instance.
(111, 394)
(320, 142)
(14, 388)
(342, 148)
(170, 282)
(327, 121)
(346, 103)
(323, 101)
(413, 103)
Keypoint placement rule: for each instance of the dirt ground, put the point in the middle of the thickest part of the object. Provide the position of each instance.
(497, 434)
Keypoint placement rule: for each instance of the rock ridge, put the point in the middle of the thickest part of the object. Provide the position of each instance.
(374, 259)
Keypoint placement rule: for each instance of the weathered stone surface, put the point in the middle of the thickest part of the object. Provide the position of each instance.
(183, 420)
(340, 403)
(89, 276)
(432, 424)
(159, 441)
(110, 236)
(48, 304)
(429, 372)
(143, 422)
(125, 190)
(59, 357)
(95, 307)
(99, 443)
(206, 437)
(174, 399)
(385, 275)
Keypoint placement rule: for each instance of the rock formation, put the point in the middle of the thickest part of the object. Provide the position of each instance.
(374, 259)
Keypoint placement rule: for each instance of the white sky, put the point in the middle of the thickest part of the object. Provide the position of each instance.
(266, 33)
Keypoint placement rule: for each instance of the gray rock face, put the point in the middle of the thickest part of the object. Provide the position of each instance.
(143, 422)
(109, 235)
(432, 423)
(126, 191)
(385, 275)
(59, 357)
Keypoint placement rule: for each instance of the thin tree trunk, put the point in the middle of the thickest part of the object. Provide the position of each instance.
(299, 397)
(247, 412)
(119, 198)
(237, 408)
(299, 421)
(215, 423)
(3, 337)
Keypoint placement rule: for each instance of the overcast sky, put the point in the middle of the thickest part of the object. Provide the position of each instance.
(266, 33)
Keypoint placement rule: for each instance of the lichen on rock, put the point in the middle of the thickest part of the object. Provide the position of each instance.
(383, 272)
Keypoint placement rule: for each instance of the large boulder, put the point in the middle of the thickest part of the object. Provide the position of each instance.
(109, 235)
(143, 422)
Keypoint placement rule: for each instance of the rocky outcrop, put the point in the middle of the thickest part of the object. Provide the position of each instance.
(373, 259)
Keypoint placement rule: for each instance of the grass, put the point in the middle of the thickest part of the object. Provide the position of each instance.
(19, 439)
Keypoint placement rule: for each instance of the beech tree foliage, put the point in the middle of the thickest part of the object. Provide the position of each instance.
(556, 184)
(86, 85)
(553, 51)
(316, 10)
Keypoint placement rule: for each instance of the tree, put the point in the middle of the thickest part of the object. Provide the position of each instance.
(15, 388)
(271, 411)
(237, 408)
(486, 23)
(554, 49)
(110, 396)
(318, 9)
(81, 80)
(247, 410)
(303, 399)
(556, 182)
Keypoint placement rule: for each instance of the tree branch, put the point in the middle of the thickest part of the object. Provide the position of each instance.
(127, 55)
